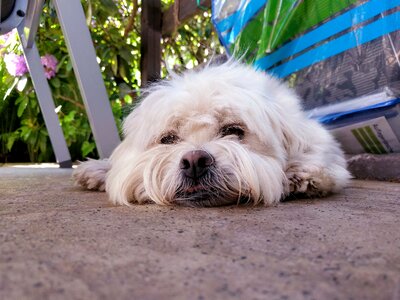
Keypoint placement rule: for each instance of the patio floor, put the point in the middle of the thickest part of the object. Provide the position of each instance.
(60, 242)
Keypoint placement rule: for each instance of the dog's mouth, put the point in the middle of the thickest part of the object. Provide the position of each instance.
(198, 188)
(199, 195)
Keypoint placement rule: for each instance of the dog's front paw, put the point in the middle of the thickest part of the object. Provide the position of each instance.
(311, 183)
(301, 183)
(91, 174)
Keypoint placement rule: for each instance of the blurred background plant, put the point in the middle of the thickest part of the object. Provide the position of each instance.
(115, 30)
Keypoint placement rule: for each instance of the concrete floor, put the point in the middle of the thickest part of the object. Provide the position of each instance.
(59, 242)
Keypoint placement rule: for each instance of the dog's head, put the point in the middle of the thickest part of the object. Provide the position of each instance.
(206, 138)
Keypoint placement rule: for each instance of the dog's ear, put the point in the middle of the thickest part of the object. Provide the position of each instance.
(286, 131)
(150, 116)
(132, 121)
(296, 133)
(283, 109)
(142, 111)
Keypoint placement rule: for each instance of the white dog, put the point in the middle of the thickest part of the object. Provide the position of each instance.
(222, 135)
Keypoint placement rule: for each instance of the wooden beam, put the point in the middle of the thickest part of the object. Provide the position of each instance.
(179, 12)
(150, 60)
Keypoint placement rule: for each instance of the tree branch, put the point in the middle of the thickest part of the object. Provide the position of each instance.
(131, 22)
(80, 105)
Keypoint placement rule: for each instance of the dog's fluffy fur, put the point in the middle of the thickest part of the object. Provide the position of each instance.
(262, 146)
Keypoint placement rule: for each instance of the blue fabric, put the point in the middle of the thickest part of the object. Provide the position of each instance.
(340, 115)
(353, 17)
(227, 23)
(230, 27)
(350, 40)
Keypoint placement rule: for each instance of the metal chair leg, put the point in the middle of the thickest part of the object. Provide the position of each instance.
(46, 103)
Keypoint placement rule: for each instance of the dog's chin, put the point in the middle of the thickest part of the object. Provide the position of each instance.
(200, 196)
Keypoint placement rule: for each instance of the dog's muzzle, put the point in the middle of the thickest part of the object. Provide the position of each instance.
(200, 186)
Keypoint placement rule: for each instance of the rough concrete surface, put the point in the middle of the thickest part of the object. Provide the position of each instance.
(60, 242)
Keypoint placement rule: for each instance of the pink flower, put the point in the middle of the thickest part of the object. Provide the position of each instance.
(49, 63)
(15, 64)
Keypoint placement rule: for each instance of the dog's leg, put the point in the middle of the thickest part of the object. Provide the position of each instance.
(313, 181)
(317, 168)
(91, 174)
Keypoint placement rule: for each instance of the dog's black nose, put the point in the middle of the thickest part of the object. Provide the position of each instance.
(195, 164)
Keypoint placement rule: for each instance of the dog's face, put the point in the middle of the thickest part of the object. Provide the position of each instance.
(204, 139)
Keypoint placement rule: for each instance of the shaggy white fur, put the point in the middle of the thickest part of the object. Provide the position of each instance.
(220, 135)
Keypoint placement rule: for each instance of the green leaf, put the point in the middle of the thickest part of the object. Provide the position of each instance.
(70, 117)
(20, 99)
(25, 132)
(32, 138)
(69, 66)
(114, 64)
(61, 63)
(126, 54)
(42, 143)
(10, 142)
(123, 70)
(109, 5)
(22, 106)
(87, 147)
(43, 132)
(55, 82)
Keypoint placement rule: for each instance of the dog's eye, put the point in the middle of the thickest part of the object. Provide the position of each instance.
(169, 138)
(233, 130)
